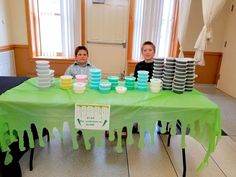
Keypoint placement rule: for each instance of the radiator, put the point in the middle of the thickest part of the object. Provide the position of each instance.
(7, 63)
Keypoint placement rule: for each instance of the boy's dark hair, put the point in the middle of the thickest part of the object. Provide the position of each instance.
(80, 48)
(148, 43)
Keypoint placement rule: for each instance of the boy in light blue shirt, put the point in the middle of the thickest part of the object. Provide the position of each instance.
(81, 65)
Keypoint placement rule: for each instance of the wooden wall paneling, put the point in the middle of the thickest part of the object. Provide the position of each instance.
(25, 65)
(6, 48)
(22, 60)
(131, 67)
(209, 73)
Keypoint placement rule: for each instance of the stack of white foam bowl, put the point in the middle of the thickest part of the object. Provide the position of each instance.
(155, 85)
(43, 72)
(79, 87)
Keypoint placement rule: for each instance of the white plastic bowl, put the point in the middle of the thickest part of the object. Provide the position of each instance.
(81, 77)
(79, 85)
(44, 75)
(43, 71)
(155, 89)
(42, 62)
(156, 81)
(41, 84)
(66, 77)
(43, 79)
(121, 89)
(42, 66)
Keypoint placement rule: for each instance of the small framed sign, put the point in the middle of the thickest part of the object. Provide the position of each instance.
(92, 117)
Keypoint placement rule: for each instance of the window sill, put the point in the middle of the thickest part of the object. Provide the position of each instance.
(132, 62)
(54, 59)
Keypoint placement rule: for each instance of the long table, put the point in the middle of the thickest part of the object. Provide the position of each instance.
(49, 108)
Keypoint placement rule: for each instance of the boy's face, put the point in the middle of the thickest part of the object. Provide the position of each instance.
(82, 57)
(148, 52)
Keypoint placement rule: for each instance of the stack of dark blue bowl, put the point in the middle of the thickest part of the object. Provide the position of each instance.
(180, 75)
(168, 74)
(158, 67)
(190, 74)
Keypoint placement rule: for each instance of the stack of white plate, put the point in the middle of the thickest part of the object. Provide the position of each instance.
(44, 75)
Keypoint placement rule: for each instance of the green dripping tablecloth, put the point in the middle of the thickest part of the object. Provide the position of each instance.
(51, 107)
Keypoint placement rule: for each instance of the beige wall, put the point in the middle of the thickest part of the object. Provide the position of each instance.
(19, 30)
(5, 23)
(196, 23)
(18, 21)
(12, 22)
(227, 82)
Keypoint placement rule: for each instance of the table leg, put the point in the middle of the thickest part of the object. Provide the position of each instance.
(184, 162)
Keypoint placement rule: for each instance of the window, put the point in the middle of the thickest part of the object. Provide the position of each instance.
(55, 27)
(153, 22)
(49, 13)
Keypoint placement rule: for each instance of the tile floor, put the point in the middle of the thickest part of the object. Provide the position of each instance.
(59, 160)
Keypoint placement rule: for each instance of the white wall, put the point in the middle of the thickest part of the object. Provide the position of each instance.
(196, 23)
(7, 63)
(5, 23)
(227, 82)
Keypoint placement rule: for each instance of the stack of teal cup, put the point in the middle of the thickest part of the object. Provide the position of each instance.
(94, 78)
(105, 87)
(114, 81)
(130, 82)
(142, 80)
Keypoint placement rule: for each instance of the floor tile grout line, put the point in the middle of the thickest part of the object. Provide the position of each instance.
(230, 136)
(215, 162)
(127, 158)
(168, 155)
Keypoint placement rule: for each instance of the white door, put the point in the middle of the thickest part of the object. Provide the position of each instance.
(106, 35)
